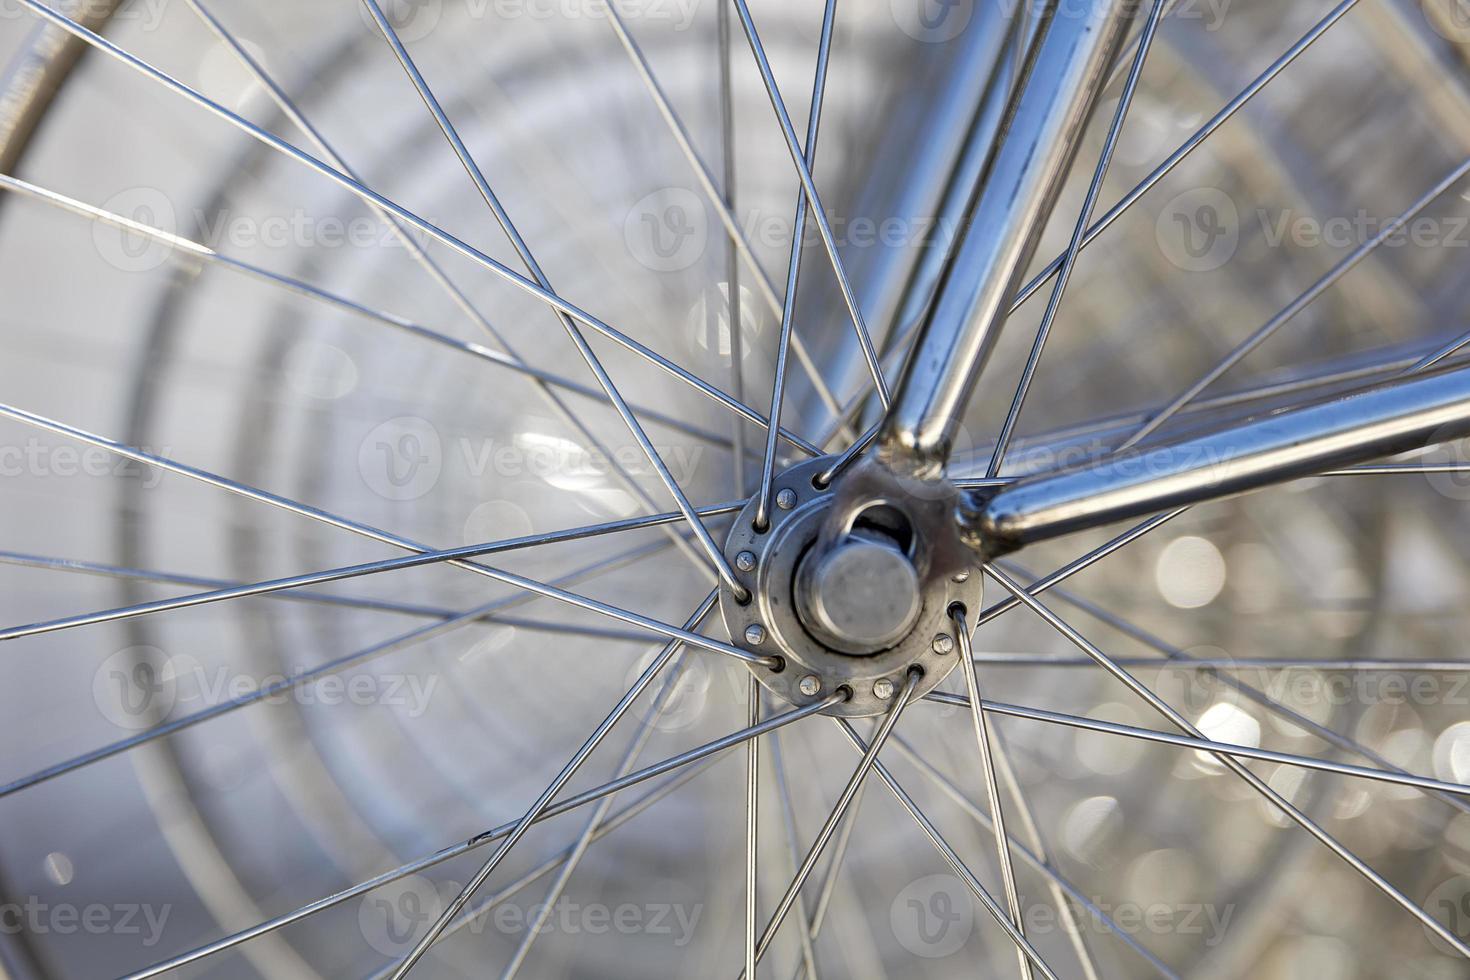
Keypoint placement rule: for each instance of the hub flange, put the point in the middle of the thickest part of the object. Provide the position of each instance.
(850, 590)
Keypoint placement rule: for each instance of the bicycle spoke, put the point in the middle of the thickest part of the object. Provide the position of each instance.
(731, 225)
(438, 234)
(524, 824)
(1250, 778)
(732, 259)
(1069, 260)
(788, 821)
(285, 588)
(987, 770)
(950, 105)
(1037, 860)
(1032, 832)
(1365, 469)
(809, 186)
(499, 575)
(712, 550)
(828, 887)
(1342, 268)
(1072, 568)
(204, 253)
(457, 296)
(568, 856)
(589, 832)
(793, 267)
(752, 828)
(453, 556)
(1250, 399)
(947, 852)
(1174, 656)
(453, 851)
(1203, 744)
(488, 612)
(901, 701)
(1243, 663)
(1189, 146)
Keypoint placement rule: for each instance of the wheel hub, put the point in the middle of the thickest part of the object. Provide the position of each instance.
(851, 586)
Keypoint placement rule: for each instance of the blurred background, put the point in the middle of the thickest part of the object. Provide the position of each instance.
(1325, 618)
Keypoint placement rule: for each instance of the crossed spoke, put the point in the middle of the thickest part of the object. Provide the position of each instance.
(408, 218)
(346, 524)
(818, 214)
(712, 550)
(688, 530)
(490, 611)
(1069, 260)
(1230, 762)
(672, 764)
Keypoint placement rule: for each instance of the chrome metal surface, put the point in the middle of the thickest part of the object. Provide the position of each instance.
(864, 595)
(1073, 57)
(866, 613)
(1311, 633)
(1391, 418)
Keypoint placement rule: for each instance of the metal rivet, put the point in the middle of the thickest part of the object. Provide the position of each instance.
(745, 561)
(961, 577)
(811, 685)
(755, 634)
(786, 499)
(883, 689)
(943, 643)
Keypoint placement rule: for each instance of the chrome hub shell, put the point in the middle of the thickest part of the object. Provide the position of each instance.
(796, 550)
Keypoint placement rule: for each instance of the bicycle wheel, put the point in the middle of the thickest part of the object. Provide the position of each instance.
(250, 408)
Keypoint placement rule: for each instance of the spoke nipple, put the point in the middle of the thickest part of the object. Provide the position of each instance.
(883, 689)
(745, 561)
(755, 634)
(811, 685)
(943, 644)
(786, 499)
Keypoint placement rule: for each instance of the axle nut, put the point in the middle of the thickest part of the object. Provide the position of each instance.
(863, 596)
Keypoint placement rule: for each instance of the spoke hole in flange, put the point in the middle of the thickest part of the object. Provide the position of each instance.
(778, 666)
